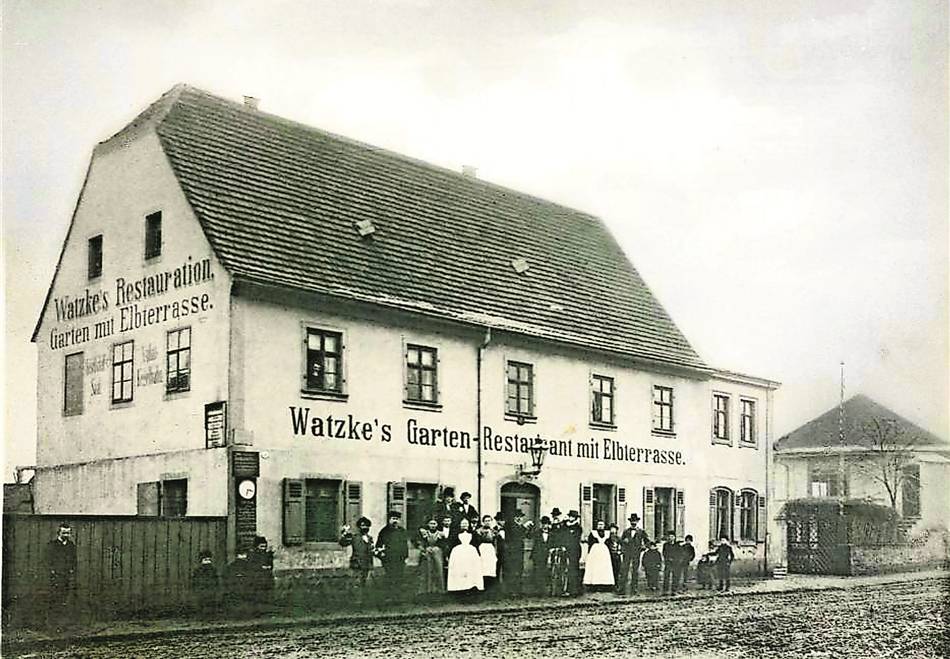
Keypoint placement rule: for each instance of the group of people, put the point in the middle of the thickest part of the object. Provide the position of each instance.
(247, 580)
(465, 553)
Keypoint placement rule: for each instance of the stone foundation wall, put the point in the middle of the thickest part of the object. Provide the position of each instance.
(923, 551)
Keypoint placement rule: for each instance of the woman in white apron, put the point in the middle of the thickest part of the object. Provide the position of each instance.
(599, 570)
(465, 565)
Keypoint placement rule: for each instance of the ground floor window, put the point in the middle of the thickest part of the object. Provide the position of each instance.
(720, 513)
(167, 498)
(321, 510)
(748, 515)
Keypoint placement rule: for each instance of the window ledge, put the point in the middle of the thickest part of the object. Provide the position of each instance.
(751, 445)
(520, 419)
(719, 441)
(597, 425)
(173, 395)
(153, 260)
(323, 395)
(422, 405)
(663, 433)
(321, 545)
(121, 405)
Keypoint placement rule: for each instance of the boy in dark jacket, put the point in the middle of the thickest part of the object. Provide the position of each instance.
(361, 557)
(672, 560)
(706, 567)
(652, 562)
(724, 558)
(688, 555)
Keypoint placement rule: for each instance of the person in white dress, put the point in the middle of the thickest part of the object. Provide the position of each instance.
(465, 564)
(599, 570)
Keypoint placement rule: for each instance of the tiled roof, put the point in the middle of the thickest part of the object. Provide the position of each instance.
(822, 432)
(279, 200)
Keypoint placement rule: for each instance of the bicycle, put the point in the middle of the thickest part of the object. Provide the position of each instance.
(557, 569)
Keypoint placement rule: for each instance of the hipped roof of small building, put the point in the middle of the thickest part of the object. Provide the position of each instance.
(279, 200)
(822, 432)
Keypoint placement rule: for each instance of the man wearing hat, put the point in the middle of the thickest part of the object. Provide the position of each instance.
(392, 547)
(572, 551)
(447, 507)
(513, 556)
(633, 543)
(467, 510)
(540, 554)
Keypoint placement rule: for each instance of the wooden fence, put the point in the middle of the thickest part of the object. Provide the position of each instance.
(123, 563)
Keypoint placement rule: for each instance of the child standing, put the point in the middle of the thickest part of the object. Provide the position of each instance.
(724, 558)
(616, 555)
(652, 562)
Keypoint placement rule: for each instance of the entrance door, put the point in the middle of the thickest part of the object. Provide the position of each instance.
(521, 496)
(420, 503)
(664, 513)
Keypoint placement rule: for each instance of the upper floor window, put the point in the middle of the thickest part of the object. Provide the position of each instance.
(422, 370)
(825, 479)
(153, 235)
(663, 408)
(520, 399)
(95, 257)
(602, 400)
(721, 418)
(178, 360)
(73, 385)
(747, 421)
(122, 368)
(324, 361)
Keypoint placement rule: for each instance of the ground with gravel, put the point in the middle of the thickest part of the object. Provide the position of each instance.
(905, 619)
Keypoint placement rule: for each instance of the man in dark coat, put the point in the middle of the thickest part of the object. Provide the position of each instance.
(633, 543)
(572, 551)
(261, 571)
(689, 553)
(447, 507)
(392, 547)
(205, 585)
(467, 510)
(652, 562)
(724, 558)
(671, 563)
(513, 557)
(238, 581)
(61, 563)
(543, 542)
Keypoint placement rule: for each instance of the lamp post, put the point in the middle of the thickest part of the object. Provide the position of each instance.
(536, 450)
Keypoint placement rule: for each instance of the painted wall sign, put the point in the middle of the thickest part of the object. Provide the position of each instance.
(216, 424)
(245, 464)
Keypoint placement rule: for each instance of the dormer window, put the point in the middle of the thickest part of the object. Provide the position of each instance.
(153, 235)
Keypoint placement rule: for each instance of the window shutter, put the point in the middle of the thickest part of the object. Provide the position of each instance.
(672, 410)
(680, 513)
(405, 370)
(713, 528)
(762, 520)
(396, 498)
(354, 502)
(148, 499)
(621, 506)
(648, 513)
(293, 511)
(343, 362)
(736, 517)
(587, 506)
(438, 378)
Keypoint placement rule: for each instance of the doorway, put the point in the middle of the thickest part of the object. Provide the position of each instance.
(520, 496)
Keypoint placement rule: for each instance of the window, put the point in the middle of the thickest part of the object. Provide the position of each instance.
(178, 360)
(422, 374)
(603, 503)
(95, 257)
(602, 400)
(153, 235)
(520, 401)
(167, 498)
(322, 510)
(73, 387)
(721, 418)
(420, 505)
(663, 409)
(122, 363)
(324, 361)
(748, 516)
(720, 513)
(747, 422)
(826, 480)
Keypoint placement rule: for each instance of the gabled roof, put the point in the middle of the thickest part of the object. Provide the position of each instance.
(279, 202)
(822, 432)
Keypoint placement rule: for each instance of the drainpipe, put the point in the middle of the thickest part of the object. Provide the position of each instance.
(769, 498)
(478, 415)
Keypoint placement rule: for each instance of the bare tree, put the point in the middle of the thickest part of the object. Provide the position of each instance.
(891, 449)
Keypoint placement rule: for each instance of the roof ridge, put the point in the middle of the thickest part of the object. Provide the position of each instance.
(256, 112)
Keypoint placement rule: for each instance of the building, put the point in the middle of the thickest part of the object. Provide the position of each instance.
(254, 318)
(863, 450)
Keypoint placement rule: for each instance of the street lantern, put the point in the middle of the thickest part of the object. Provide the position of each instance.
(536, 450)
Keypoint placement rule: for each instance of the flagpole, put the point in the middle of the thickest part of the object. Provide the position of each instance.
(841, 474)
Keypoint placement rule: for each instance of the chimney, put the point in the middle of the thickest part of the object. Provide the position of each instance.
(470, 170)
(252, 102)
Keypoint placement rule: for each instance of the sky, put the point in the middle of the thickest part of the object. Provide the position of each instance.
(777, 172)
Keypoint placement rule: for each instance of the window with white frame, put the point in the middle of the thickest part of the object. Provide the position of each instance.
(324, 361)
(520, 399)
(748, 515)
(721, 418)
(662, 409)
(602, 400)
(422, 371)
(747, 421)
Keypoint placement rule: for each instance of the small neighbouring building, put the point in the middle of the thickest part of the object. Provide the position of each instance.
(258, 319)
(859, 452)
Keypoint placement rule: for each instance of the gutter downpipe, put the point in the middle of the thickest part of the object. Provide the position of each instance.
(478, 415)
(769, 496)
